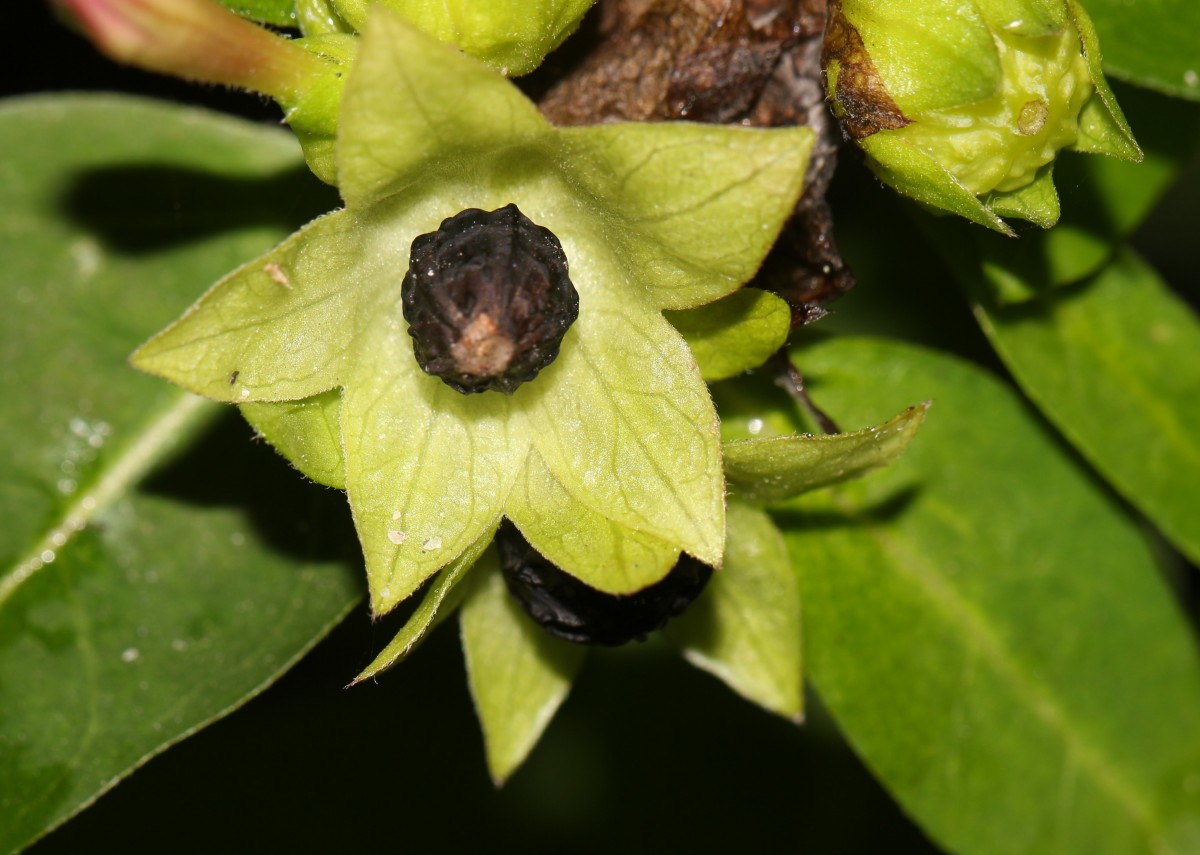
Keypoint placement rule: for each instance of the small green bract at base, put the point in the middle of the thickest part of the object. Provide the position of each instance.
(618, 433)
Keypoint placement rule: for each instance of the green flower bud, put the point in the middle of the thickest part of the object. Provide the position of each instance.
(964, 106)
(512, 36)
(204, 41)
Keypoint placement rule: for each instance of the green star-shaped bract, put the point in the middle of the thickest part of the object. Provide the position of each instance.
(609, 461)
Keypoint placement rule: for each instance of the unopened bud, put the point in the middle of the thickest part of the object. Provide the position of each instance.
(512, 36)
(198, 40)
(965, 106)
(203, 41)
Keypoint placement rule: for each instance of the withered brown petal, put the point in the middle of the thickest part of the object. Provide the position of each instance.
(487, 299)
(867, 105)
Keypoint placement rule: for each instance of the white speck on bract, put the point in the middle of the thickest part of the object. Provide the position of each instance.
(432, 543)
(277, 275)
(245, 393)
(396, 537)
(397, 514)
(755, 427)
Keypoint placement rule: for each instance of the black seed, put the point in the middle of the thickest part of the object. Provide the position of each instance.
(487, 300)
(571, 610)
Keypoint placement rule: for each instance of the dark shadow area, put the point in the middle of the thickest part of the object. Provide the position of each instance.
(904, 289)
(1168, 236)
(566, 58)
(227, 467)
(648, 755)
(146, 207)
(881, 513)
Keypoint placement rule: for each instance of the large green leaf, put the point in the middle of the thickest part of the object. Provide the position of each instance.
(1151, 42)
(1115, 364)
(989, 629)
(131, 615)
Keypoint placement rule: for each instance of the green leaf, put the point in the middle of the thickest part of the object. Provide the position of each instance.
(1113, 364)
(630, 430)
(745, 627)
(442, 598)
(622, 420)
(1151, 43)
(735, 333)
(989, 630)
(427, 469)
(773, 469)
(319, 18)
(131, 614)
(277, 13)
(518, 674)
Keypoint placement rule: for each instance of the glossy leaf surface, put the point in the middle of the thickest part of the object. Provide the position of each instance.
(1115, 364)
(131, 612)
(1151, 43)
(990, 632)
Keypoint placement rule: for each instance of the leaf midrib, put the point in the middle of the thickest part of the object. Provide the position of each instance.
(158, 436)
(994, 650)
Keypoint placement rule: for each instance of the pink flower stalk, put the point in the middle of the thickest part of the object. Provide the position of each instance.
(197, 40)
